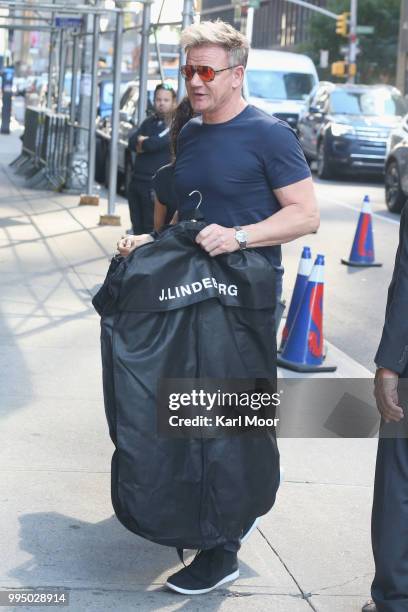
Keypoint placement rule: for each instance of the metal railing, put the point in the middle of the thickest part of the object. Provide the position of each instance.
(45, 158)
(55, 152)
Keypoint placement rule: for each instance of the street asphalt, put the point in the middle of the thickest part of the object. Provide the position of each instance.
(57, 527)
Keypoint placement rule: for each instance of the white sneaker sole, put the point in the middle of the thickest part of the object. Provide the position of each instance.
(256, 521)
(253, 527)
(228, 578)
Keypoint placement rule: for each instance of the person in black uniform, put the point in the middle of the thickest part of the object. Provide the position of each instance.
(164, 193)
(151, 141)
(389, 522)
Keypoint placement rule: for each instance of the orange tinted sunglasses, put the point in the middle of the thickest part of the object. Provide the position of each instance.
(206, 73)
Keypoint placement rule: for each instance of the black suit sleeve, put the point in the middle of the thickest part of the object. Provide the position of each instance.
(134, 134)
(392, 352)
(158, 142)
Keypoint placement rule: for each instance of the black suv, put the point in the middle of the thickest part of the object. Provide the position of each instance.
(396, 168)
(346, 127)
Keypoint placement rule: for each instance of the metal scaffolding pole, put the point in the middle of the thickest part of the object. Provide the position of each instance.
(62, 9)
(159, 60)
(113, 156)
(53, 40)
(402, 67)
(74, 93)
(25, 28)
(61, 69)
(92, 113)
(144, 61)
(74, 81)
(352, 41)
(188, 14)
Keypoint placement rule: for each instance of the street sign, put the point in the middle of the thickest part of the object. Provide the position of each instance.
(68, 22)
(362, 29)
(254, 4)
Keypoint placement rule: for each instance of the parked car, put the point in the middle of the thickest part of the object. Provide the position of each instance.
(128, 120)
(279, 82)
(105, 95)
(396, 168)
(346, 127)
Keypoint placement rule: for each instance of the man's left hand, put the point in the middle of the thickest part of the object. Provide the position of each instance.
(216, 239)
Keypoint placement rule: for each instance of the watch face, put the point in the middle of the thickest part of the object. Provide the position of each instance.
(241, 236)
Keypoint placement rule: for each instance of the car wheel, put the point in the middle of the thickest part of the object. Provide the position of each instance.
(324, 169)
(394, 196)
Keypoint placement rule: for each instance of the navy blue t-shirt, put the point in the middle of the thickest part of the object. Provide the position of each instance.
(236, 165)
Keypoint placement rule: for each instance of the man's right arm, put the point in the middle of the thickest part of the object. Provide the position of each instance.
(134, 135)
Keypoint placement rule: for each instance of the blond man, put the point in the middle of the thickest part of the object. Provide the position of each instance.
(257, 193)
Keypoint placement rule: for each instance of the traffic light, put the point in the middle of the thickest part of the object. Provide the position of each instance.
(342, 24)
(338, 69)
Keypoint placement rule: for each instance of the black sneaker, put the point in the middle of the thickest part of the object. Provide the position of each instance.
(208, 570)
(248, 529)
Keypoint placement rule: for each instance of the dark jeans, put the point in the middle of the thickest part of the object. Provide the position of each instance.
(141, 205)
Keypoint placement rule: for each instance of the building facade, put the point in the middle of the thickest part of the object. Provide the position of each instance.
(278, 24)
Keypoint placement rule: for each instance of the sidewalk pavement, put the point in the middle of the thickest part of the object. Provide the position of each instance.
(57, 528)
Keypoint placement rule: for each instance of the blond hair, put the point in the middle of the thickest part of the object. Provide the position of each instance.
(217, 33)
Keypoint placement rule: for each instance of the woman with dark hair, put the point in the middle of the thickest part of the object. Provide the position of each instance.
(165, 200)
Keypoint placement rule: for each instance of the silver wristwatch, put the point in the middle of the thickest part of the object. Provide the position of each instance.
(241, 237)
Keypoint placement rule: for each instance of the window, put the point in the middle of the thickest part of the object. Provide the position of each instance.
(272, 85)
(375, 103)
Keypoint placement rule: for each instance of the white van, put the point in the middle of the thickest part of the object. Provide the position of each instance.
(279, 82)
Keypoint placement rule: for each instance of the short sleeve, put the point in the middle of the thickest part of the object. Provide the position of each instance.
(284, 159)
(159, 185)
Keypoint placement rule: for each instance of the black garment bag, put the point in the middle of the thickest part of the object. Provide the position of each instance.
(170, 311)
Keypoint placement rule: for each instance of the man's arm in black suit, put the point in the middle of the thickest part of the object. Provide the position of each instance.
(392, 352)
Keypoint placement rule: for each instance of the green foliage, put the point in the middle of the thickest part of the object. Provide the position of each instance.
(377, 59)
